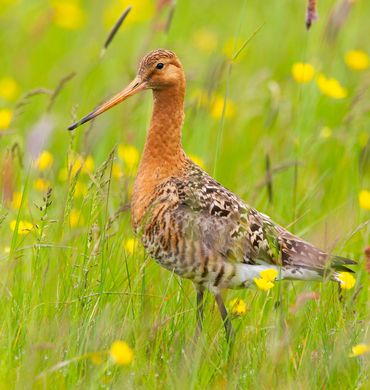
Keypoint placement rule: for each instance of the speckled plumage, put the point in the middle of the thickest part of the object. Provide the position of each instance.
(200, 230)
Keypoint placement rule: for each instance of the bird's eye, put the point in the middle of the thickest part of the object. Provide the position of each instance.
(159, 65)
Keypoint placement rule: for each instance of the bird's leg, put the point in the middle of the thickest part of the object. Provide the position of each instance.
(340, 293)
(200, 294)
(230, 332)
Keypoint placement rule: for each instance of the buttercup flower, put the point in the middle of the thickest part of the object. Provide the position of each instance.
(303, 72)
(116, 171)
(8, 89)
(75, 218)
(24, 227)
(364, 199)
(360, 349)
(331, 87)
(5, 118)
(16, 200)
(217, 107)
(142, 10)
(325, 132)
(357, 59)
(85, 165)
(129, 245)
(346, 280)
(199, 161)
(265, 282)
(68, 14)
(129, 155)
(231, 47)
(41, 184)
(121, 353)
(89, 164)
(237, 306)
(44, 161)
(269, 274)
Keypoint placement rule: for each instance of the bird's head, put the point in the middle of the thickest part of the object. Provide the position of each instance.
(158, 70)
(161, 69)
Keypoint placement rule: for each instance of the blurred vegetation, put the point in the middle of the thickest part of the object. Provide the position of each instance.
(285, 125)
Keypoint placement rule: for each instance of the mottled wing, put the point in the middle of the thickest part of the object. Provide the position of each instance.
(252, 236)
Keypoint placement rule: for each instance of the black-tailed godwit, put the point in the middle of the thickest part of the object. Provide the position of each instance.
(188, 222)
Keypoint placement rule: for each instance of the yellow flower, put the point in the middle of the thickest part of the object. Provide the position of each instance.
(116, 171)
(129, 155)
(44, 161)
(357, 59)
(347, 281)
(76, 166)
(331, 87)
(198, 160)
(121, 353)
(8, 88)
(41, 184)
(130, 245)
(75, 218)
(218, 106)
(364, 199)
(215, 103)
(86, 166)
(231, 47)
(269, 274)
(263, 284)
(142, 10)
(205, 40)
(237, 306)
(325, 132)
(303, 72)
(360, 349)
(5, 118)
(24, 227)
(16, 200)
(80, 190)
(89, 165)
(68, 14)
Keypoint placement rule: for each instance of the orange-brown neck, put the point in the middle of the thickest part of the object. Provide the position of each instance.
(163, 156)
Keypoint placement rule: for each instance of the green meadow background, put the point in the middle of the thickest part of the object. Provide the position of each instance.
(72, 277)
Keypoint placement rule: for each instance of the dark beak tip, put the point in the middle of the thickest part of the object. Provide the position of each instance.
(72, 127)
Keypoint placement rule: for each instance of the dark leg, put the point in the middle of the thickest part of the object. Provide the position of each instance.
(200, 294)
(340, 293)
(230, 333)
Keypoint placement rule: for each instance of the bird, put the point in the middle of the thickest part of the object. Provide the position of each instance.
(192, 225)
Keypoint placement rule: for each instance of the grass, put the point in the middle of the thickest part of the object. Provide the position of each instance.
(75, 283)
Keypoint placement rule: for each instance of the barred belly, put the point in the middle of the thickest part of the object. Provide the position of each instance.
(191, 260)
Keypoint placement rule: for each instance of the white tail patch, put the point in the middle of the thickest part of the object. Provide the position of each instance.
(245, 273)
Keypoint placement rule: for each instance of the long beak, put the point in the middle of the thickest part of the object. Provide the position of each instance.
(135, 86)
